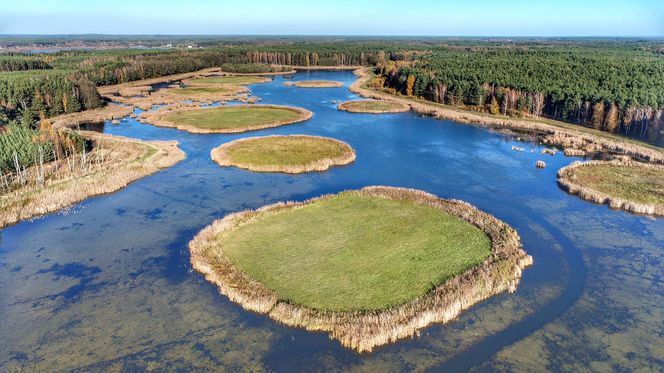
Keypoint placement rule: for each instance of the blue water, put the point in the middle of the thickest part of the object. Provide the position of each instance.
(107, 284)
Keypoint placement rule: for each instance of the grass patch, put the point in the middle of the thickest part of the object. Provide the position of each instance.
(229, 119)
(355, 252)
(373, 106)
(292, 154)
(629, 182)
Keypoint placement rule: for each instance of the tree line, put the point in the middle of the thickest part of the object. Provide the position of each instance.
(615, 89)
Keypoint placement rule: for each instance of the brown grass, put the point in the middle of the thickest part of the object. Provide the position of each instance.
(115, 89)
(315, 84)
(157, 118)
(568, 181)
(108, 112)
(550, 132)
(363, 331)
(119, 162)
(222, 156)
(365, 106)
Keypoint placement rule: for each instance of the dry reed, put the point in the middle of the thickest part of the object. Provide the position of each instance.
(221, 155)
(362, 331)
(567, 180)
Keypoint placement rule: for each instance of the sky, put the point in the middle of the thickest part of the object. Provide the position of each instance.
(336, 17)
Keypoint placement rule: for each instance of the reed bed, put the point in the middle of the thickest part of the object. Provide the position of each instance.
(226, 79)
(315, 84)
(319, 154)
(623, 186)
(373, 106)
(161, 118)
(115, 89)
(108, 112)
(113, 163)
(173, 95)
(565, 137)
(364, 330)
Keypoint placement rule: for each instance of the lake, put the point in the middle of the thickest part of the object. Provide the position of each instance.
(107, 284)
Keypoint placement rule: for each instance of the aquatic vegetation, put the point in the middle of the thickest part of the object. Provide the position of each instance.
(369, 301)
(227, 119)
(114, 163)
(226, 80)
(289, 154)
(315, 84)
(632, 186)
(373, 106)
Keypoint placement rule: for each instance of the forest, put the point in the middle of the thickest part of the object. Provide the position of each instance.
(615, 88)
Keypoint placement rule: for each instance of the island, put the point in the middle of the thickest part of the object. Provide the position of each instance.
(315, 84)
(368, 266)
(227, 119)
(289, 154)
(373, 106)
(631, 186)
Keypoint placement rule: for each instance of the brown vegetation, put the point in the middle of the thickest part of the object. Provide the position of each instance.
(222, 156)
(568, 180)
(315, 84)
(363, 331)
(112, 163)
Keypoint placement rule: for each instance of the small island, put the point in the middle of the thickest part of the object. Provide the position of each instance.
(315, 84)
(632, 186)
(373, 106)
(227, 119)
(368, 266)
(289, 154)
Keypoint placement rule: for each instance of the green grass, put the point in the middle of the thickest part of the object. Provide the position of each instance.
(355, 252)
(229, 80)
(231, 117)
(205, 90)
(632, 183)
(284, 150)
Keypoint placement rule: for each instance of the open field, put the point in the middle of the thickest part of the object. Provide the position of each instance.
(290, 154)
(630, 186)
(227, 80)
(228, 119)
(315, 84)
(368, 266)
(373, 106)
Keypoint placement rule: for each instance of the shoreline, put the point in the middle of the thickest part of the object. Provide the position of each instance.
(221, 156)
(570, 139)
(364, 330)
(33, 201)
(156, 118)
(565, 179)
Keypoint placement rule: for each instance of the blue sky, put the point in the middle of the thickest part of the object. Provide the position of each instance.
(336, 17)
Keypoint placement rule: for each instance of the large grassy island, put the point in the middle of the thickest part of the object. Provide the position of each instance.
(631, 186)
(228, 119)
(290, 154)
(368, 266)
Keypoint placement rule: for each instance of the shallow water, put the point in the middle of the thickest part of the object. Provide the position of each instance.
(107, 284)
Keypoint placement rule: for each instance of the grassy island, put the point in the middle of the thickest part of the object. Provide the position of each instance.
(227, 80)
(228, 119)
(368, 266)
(631, 186)
(315, 84)
(289, 154)
(373, 106)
